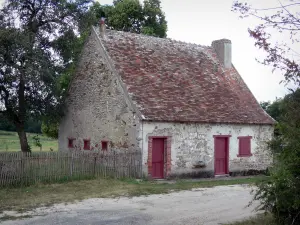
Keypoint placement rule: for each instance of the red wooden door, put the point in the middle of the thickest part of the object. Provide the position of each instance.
(221, 156)
(158, 158)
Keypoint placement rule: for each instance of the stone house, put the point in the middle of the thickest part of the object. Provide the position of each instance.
(184, 106)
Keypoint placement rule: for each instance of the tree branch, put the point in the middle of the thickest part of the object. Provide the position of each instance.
(279, 7)
(277, 22)
(297, 20)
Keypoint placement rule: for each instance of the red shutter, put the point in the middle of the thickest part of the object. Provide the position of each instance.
(71, 142)
(244, 146)
(104, 145)
(86, 144)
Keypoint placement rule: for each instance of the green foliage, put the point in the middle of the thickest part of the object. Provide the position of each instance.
(31, 125)
(260, 219)
(126, 15)
(274, 109)
(37, 44)
(281, 193)
(50, 129)
(155, 22)
(37, 141)
(132, 16)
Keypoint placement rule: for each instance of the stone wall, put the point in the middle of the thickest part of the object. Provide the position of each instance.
(97, 107)
(192, 143)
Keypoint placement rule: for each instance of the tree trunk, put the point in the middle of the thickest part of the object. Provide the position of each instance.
(23, 139)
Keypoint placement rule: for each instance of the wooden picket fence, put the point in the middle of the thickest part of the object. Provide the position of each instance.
(17, 169)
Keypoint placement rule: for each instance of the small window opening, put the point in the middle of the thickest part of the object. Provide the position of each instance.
(71, 142)
(86, 144)
(104, 145)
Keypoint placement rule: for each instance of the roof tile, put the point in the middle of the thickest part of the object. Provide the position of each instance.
(176, 81)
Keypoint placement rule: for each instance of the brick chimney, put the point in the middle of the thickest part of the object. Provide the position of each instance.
(223, 49)
(102, 26)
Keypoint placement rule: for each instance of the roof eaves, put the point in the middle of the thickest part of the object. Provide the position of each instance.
(207, 122)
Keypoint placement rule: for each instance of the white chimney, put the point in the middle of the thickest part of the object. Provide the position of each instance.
(223, 49)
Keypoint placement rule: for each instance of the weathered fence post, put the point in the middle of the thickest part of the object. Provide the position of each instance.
(114, 159)
(71, 166)
(95, 160)
(22, 169)
(29, 168)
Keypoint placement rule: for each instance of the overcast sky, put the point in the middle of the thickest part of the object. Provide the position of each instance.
(202, 21)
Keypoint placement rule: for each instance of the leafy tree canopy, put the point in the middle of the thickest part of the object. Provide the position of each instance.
(132, 16)
(274, 109)
(51, 129)
(280, 193)
(31, 57)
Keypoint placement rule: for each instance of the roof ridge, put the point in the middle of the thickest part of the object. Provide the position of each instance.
(108, 31)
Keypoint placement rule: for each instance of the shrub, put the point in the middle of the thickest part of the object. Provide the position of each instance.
(280, 194)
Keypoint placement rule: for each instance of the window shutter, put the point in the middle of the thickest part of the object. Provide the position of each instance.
(104, 145)
(71, 142)
(244, 146)
(86, 144)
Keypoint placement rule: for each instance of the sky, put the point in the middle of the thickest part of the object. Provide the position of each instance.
(202, 21)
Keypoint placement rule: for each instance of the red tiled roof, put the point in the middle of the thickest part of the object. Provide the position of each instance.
(175, 81)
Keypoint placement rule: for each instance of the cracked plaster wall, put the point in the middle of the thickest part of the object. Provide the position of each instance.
(195, 142)
(96, 107)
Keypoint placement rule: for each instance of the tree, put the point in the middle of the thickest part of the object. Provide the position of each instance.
(280, 193)
(126, 15)
(155, 22)
(132, 16)
(283, 19)
(50, 129)
(274, 109)
(30, 62)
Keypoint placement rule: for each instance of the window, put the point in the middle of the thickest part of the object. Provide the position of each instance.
(104, 145)
(86, 144)
(71, 142)
(244, 146)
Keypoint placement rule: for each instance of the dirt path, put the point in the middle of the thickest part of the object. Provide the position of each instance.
(199, 206)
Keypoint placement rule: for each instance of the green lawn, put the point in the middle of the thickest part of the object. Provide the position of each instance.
(9, 141)
(26, 198)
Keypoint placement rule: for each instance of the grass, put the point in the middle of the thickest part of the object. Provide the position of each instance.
(9, 217)
(9, 141)
(26, 198)
(261, 219)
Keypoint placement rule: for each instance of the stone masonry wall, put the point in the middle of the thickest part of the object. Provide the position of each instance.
(96, 107)
(192, 143)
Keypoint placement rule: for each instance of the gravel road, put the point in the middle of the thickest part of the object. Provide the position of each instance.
(207, 206)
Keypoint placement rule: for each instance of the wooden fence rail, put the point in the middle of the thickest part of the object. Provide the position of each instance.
(19, 168)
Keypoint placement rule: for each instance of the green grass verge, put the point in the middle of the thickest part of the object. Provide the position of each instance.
(9, 217)
(262, 219)
(26, 198)
(9, 141)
